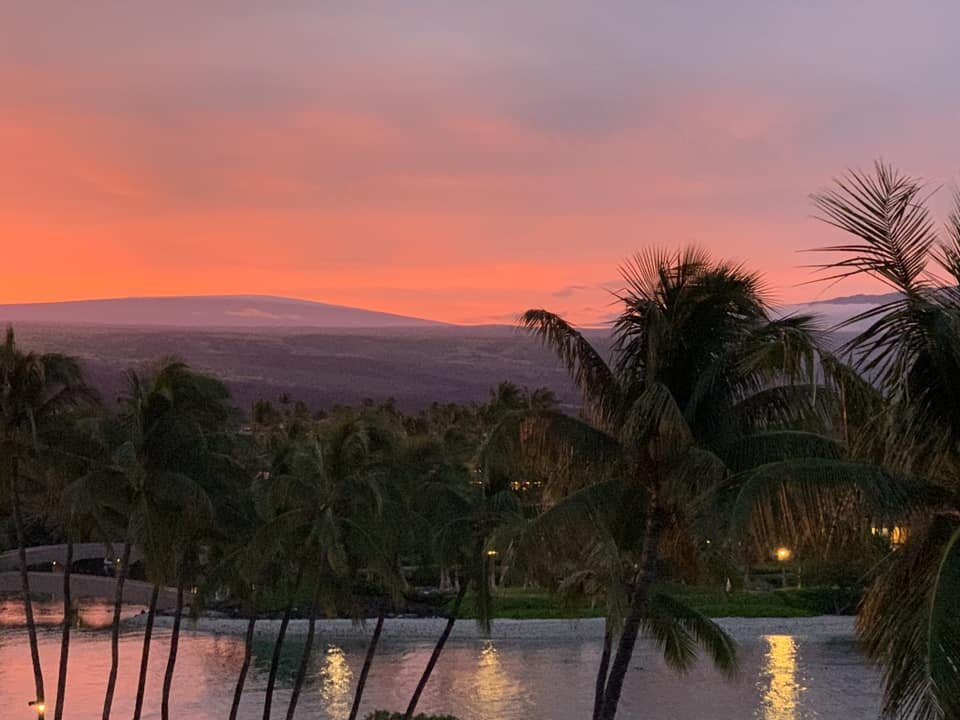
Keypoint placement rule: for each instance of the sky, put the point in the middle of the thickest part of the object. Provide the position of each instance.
(455, 160)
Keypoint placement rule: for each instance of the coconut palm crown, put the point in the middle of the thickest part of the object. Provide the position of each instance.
(910, 347)
(701, 378)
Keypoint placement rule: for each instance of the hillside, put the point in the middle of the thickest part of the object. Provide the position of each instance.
(323, 354)
(414, 366)
(208, 311)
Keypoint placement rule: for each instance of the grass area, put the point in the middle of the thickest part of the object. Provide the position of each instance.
(790, 602)
(520, 604)
(516, 603)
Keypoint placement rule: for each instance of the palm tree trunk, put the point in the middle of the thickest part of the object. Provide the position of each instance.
(305, 658)
(172, 658)
(367, 662)
(245, 666)
(275, 661)
(277, 649)
(455, 610)
(638, 607)
(115, 630)
(145, 654)
(602, 670)
(25, 581)
(65, 635)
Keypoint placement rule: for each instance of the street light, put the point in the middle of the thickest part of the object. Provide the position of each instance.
(783, 555)
(39, 706)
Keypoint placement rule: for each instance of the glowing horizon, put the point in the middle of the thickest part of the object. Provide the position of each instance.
(439, 162)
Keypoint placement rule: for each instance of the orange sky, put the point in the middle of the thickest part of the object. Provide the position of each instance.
(455, 161)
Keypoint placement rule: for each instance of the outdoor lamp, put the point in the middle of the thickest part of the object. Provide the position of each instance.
(783, 554)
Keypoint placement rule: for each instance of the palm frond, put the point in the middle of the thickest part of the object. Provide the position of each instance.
(903, 618)
(597, 384)
(568, 452)
(656, 420)
(751, 451)
(575, 533)
(782, 406)
(692, 478)
(679, 631)
(893, 232)
(802, 501)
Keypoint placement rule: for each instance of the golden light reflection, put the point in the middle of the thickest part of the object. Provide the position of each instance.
(336, 675)
(492, 682)
(489, 672)
(781, 690)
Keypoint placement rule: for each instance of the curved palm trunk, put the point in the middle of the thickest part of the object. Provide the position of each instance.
(367, 662)
(275, 661)
(602, 671)
(172, 658)
(145, 655)
(25, 581)
(455, 610)
(115, 630)
(245, 666)
(278, 647)
(65, 635)
(305, 658)
(638, 606)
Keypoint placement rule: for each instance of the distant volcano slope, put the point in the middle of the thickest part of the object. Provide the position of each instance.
(210, 311)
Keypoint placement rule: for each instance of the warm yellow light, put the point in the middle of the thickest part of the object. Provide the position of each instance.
(38, 705)
(491, 553)
(781, 687)
(783, 553)
(898, 536)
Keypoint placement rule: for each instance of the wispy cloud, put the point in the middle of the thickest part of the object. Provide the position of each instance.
(569, 290)
(301, 144)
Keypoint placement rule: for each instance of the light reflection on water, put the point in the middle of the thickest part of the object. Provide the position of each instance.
(778, 680)
(785, 677)
(335, 677)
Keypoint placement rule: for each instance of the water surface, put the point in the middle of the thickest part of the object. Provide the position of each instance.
(783, 677)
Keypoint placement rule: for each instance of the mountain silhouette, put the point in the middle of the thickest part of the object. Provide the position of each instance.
(209, 311)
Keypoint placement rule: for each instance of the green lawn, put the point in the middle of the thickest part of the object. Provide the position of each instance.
(515, 603)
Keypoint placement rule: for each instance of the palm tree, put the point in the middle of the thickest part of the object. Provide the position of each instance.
(245, 665)
(65, 634)
(150, 485)
(291, 589)
(379, 535)
(365, 670)
(34, 389)
(71, 447)
(145, 652)
(320, 486)
(200, 440)
(699, 364)
(235, 566)
(463, 508)
(910, 350)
